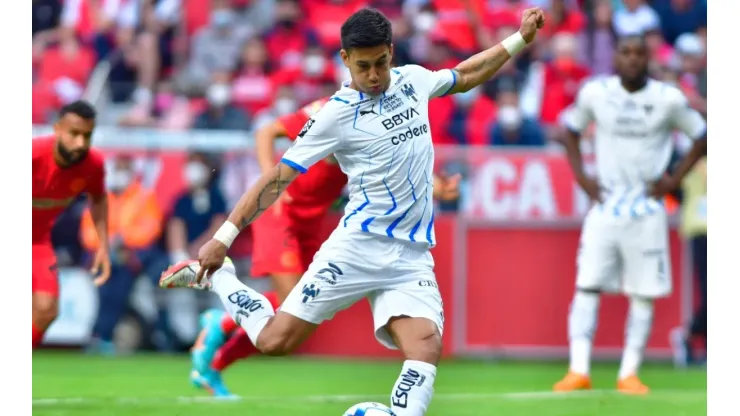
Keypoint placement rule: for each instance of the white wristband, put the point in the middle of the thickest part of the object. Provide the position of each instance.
(514, 43)
(227, 233)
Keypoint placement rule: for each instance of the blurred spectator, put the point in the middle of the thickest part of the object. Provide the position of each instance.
(402, 32)
(636, 17)
(110, 27)
(308, 79)
(215, 48)
(692, 58)
(284, 103)
(472, 118)
(552, 86)
(391, 8)
(327, 16)
(62, 77)
(154, 53)
(135, 226)
(660, 51)
(290, 35)
(563, 19)
(46, 15)
(198, 212)
(256, 14)
(598, 41)
(508, 78)
(694, 229)
(221, 113)
(104, 24)
(253, 87)
(681, 16)
(512, 128)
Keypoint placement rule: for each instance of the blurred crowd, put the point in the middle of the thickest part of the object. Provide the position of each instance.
(236, 64)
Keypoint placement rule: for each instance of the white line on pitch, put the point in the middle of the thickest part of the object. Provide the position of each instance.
(691, 395)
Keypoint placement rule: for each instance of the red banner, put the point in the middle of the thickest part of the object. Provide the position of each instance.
(512, 299)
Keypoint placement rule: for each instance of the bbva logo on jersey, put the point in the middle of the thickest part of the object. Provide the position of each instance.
(397, 119)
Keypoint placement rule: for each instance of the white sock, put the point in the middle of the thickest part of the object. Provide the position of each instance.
(582, 323)
(248, 307)
(414, 389)
(637, 332)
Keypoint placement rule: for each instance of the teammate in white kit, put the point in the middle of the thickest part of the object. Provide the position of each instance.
(377, 127)
(624, 241)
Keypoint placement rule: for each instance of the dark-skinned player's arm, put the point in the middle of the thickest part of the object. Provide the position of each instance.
(576, 119)
(99, 213)
(319, 138)
(480, 67)
(687, 120)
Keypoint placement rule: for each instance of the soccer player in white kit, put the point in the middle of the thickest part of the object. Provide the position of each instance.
(377, 127)
(624, 241)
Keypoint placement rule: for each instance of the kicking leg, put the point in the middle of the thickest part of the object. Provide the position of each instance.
(272, 334)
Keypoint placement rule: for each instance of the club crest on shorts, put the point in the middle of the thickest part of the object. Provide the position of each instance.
(310, 291)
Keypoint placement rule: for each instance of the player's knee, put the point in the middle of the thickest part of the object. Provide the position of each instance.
(419, 339)
(427, 349)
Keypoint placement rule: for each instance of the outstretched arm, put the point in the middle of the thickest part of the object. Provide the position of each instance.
(480, 67)
(318, 139)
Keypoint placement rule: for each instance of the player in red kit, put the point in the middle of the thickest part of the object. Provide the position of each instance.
(64, 166)
(286, 237)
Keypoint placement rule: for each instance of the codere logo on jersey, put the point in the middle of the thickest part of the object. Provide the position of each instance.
(409, 134)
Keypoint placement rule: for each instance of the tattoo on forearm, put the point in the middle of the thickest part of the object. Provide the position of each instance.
(481, 66)
(266, 197)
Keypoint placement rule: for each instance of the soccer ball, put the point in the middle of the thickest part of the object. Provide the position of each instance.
(369, 409)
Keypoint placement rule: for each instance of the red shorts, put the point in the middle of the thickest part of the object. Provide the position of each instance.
(283, 245)
(44, 269)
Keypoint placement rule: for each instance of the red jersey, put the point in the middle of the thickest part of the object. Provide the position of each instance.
(315, 191)
(54, 187)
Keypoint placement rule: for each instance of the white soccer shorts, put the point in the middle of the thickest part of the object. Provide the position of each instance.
(396, 276)
(628, 255)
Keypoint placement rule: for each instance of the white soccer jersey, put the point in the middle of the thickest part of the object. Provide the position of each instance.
(633, 143)
(384, 145)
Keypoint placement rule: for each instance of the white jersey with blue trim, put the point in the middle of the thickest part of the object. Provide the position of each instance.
(384, 145)
(633, 140)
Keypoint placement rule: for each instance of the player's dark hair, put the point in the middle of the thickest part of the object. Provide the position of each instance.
(79, 108)
(366, 28)
(634, 37)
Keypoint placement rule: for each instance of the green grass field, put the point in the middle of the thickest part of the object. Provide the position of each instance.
(147, 385)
